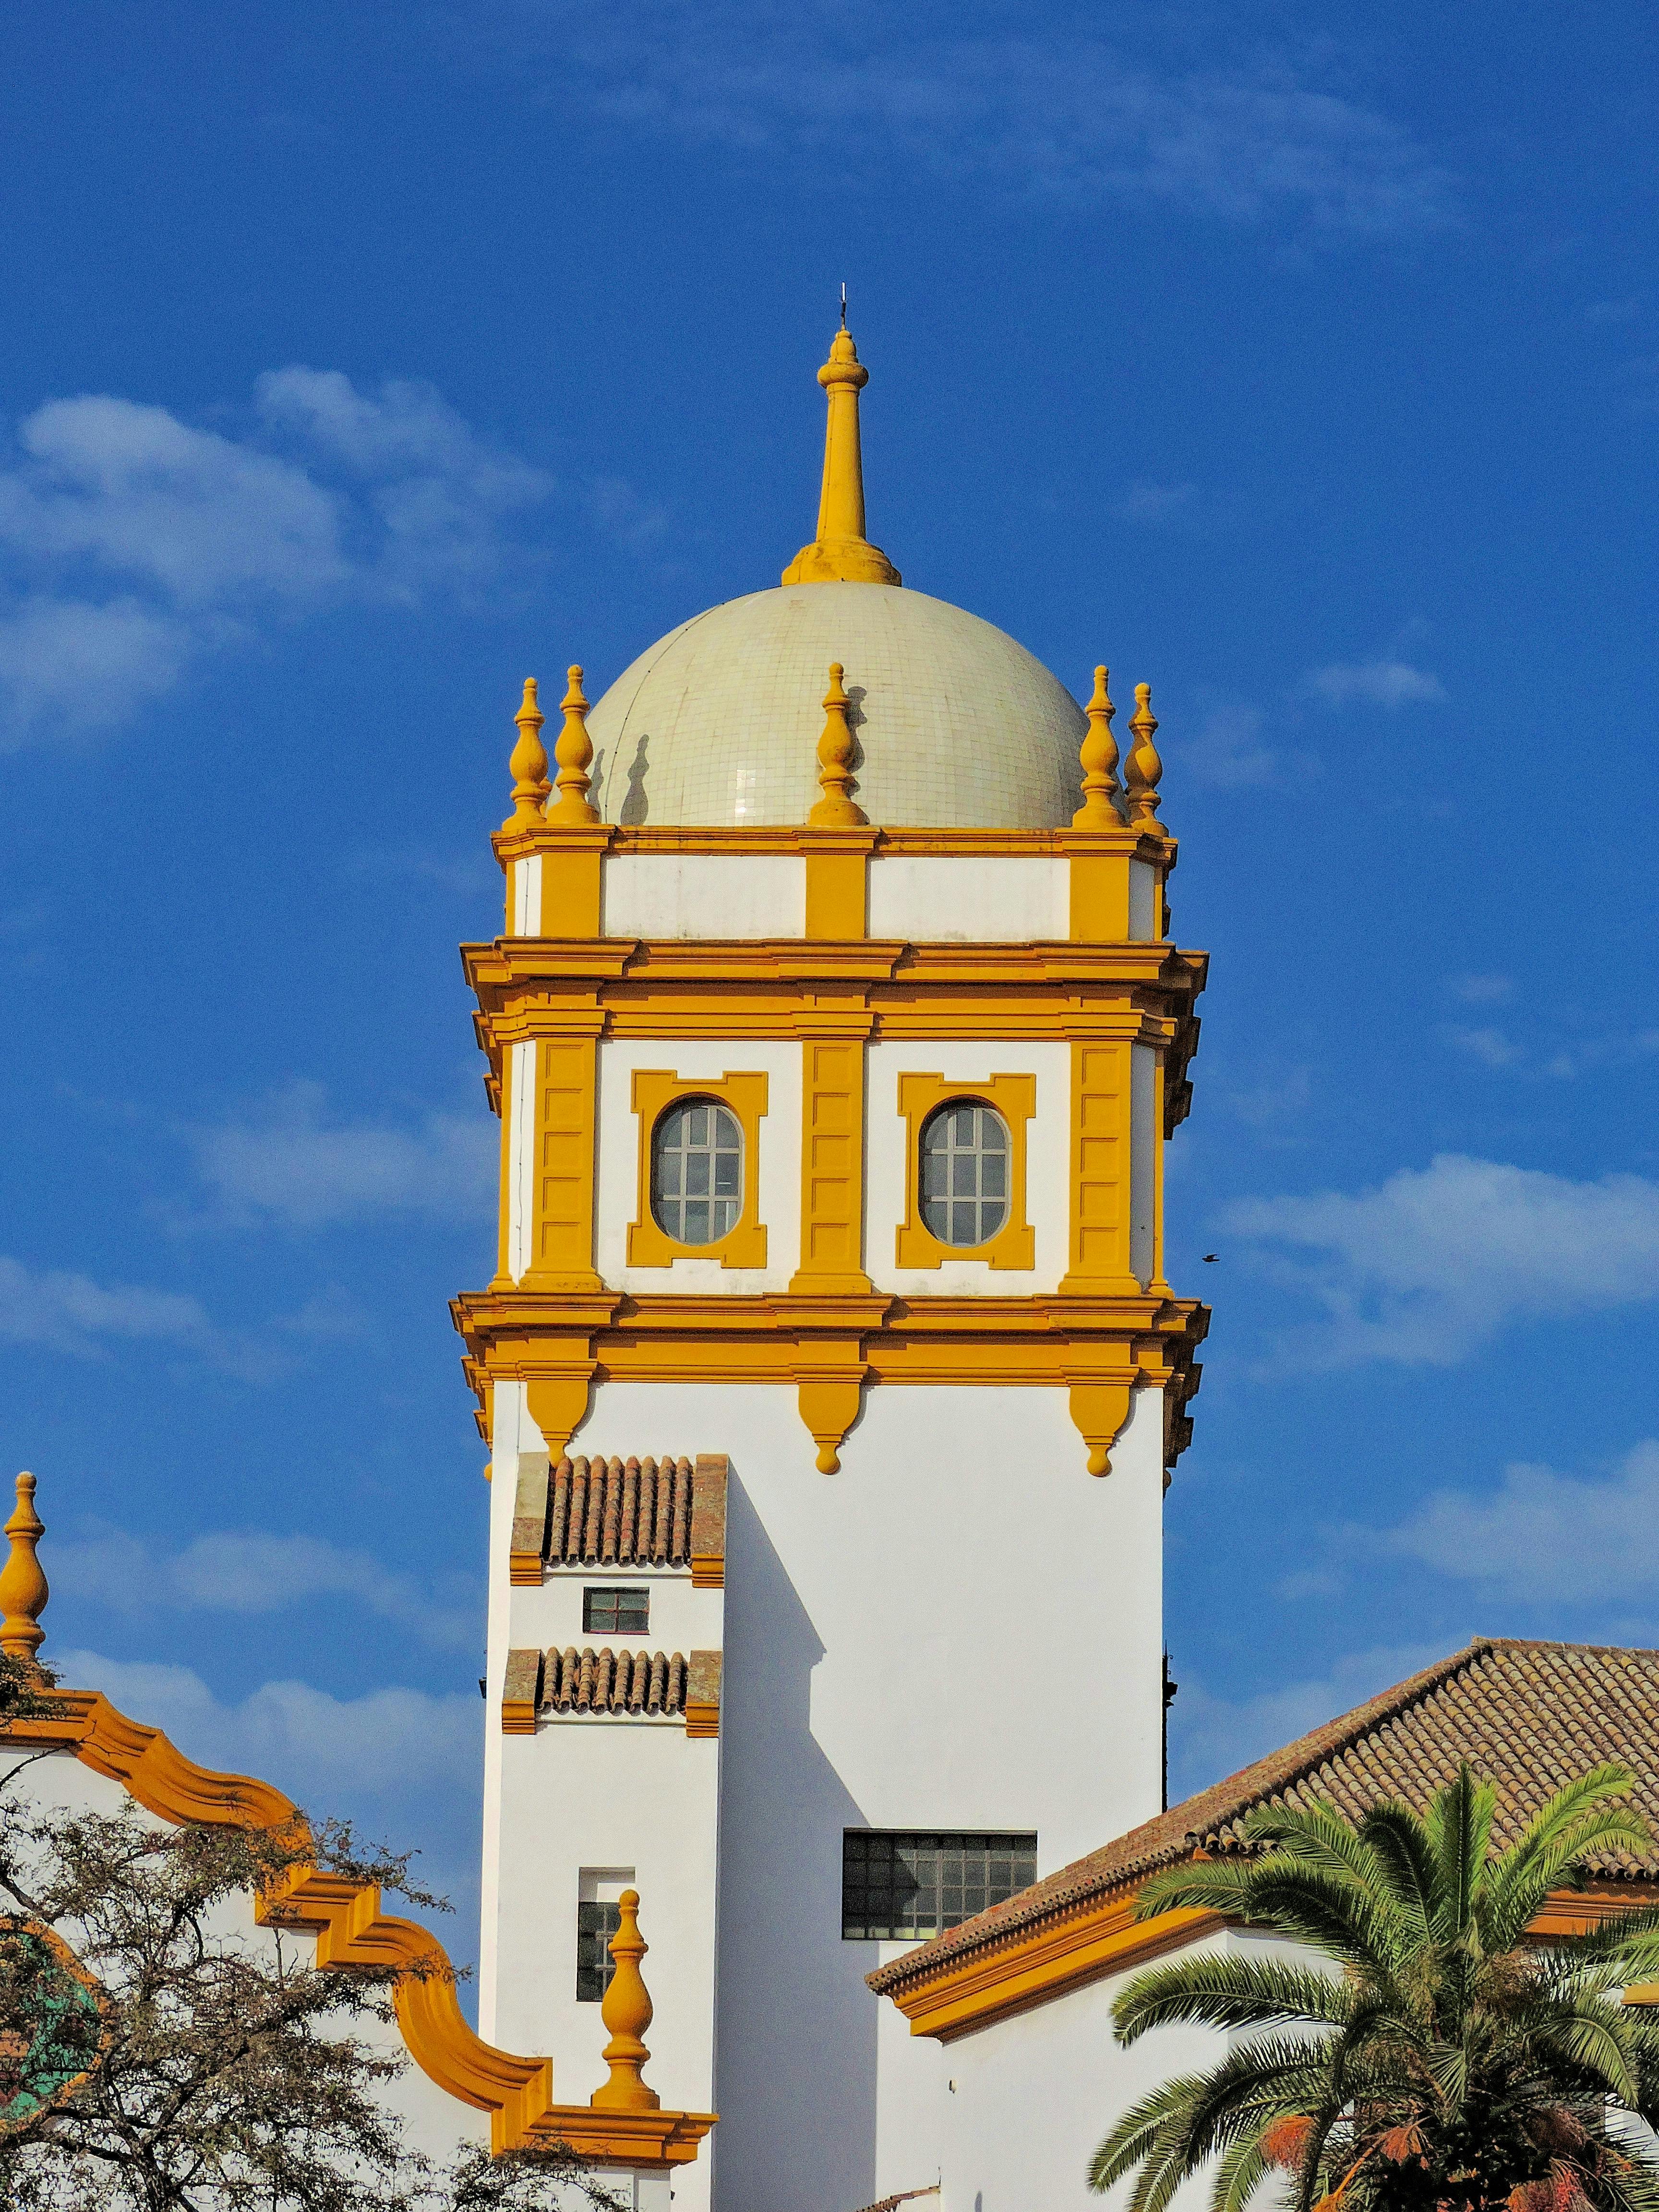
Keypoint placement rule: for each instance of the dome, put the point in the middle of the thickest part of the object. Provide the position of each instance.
(956, 725)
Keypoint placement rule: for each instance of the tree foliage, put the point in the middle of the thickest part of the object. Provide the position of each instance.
(1421, 2054)
(223, 2070)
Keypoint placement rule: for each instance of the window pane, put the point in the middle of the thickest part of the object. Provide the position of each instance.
(595, 1925)
(964, 1155)
(901, 1886)
(696, 1150)
(615, 1612)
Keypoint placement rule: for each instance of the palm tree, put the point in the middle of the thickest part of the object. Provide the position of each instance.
(1428, 2057)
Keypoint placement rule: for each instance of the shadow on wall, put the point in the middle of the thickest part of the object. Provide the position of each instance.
(795, 2060)
(636, 806)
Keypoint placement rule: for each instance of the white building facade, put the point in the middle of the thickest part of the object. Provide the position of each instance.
(829, 1372)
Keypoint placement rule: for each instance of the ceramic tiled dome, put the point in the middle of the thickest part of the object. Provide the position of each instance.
(957, 726)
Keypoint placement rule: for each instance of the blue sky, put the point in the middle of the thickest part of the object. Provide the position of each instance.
(1302, 360)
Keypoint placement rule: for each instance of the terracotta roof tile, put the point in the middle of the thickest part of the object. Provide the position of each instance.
(1529, 1717)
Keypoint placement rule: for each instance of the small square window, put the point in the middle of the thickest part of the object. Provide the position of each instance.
(617, 1612)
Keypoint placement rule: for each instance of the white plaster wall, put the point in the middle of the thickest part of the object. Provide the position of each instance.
(961, 1629)
(1035, 2094)
(699, 1061)
(1143, 1159)
(513, 1431)
(611, 1795)
(526, 899)
(989, 900)
(520, 1157)
(681, 1618)
(703, 895)
(1048, 1154)
(1143, 900)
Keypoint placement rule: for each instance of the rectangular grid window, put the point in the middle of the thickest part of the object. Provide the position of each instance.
(595, 1925)
(903, 1887)
(615, 1612)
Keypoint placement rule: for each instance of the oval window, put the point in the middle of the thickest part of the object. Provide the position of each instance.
(964, 1173)
(697, 1171)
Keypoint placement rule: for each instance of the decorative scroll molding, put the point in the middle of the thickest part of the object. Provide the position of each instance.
(351, 1930)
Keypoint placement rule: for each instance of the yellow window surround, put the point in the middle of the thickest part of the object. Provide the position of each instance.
(743, 1095)
(1013, 1096)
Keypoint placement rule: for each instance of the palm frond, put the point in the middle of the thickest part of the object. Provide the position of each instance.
(1195, 1886)
(1224, 1991)
(1459, 1827)
(1513, 1878)
(1399, 1844)
(1329, 1910)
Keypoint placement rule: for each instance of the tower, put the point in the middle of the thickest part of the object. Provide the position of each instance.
(829, 1370)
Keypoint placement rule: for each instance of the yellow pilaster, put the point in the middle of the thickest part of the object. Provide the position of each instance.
(1100, 1121)
(832, 1154)
(567, 1097)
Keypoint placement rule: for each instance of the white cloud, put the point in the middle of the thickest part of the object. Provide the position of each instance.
(1063, 116)
(1212, 1737)
(1376, 683)
(1483, 990)
(286, 1161)
(69, 1312)
(1157, 504)
(1488, 1045)
(1436, 1261)
(249, 1571)
(328, 1754)
(1543, 1537)
(132, 543)
(1227, 748)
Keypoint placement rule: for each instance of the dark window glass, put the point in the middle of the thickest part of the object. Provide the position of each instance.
(696, 1172)
(595, 1925)
(615, 1612)
(897, 1886)
(964, 1173)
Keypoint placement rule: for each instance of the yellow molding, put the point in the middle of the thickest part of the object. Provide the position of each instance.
(1044, 1963)
(1038, 1963)
(1148, 844)
(743, 1094)
(352, 1931)
(1012, 1097)
(1099, 1349)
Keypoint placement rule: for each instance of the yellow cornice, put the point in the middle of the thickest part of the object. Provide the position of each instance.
(619, 840)
(351, 1930)
(1102, 1935)
(1097, 1347)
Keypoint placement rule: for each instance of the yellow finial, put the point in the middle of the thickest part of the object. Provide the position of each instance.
(575, 753)
(23, 1591)
(626, 2012)
(835, 809)
(528, 764)
(1143, 767)
(1098, 757)
(841, 553)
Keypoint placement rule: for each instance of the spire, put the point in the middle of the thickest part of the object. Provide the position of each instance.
(528, 764)
(575, 754)
(1098, 759)
(841, 553)
(626, 2011)
(836, 808)
(23, 1590)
